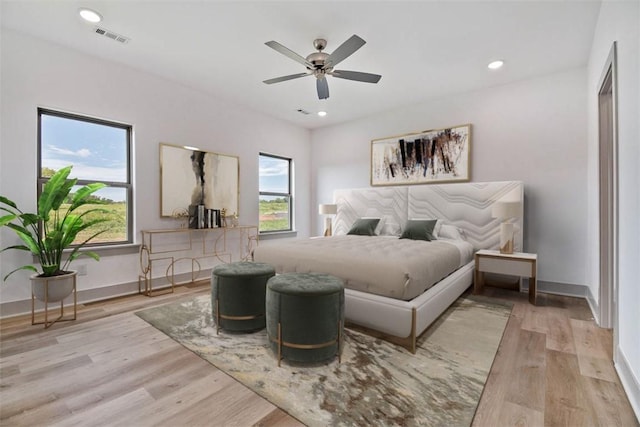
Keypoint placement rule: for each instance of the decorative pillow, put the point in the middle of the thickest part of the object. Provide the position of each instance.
(419, 229)
(436, 229)
(364, 227)
(390, 229)
(379, 228)
(450, 232)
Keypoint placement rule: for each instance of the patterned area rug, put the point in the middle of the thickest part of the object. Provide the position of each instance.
(377, 383)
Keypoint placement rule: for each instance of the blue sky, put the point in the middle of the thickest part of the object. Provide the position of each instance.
(274, 175)
(97, 152)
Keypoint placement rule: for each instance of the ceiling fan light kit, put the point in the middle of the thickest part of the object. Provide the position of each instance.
(321, 64)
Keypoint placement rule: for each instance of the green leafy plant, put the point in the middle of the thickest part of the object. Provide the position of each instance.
(54, 228)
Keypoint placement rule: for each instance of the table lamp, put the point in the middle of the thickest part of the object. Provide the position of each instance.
(327, 210)
(506, 211)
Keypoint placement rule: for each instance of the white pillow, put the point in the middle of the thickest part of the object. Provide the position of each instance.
(390, 229)
(450, 232)
(436, 228)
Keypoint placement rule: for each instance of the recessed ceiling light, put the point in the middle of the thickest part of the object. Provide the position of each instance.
(322, 113)
(495, 65)
(90, 15)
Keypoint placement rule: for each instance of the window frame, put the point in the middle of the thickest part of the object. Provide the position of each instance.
(128, 185)
(288, 195)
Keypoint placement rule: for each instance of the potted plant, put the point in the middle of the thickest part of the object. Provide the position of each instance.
(50, 233)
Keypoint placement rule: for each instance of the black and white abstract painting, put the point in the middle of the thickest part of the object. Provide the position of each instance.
(192, 177)
(431, 156)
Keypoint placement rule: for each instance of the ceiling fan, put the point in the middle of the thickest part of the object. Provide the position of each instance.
(321, 64)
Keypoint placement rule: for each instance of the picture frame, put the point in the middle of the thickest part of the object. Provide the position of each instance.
(426, 157)
(191, 177)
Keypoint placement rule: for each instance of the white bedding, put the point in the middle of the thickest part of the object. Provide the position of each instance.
(381, 265)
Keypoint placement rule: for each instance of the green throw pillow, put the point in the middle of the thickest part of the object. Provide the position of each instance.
(364, 227)
(419, 229)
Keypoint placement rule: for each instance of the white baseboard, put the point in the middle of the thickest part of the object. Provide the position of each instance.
(568, 290)
(17, 308)
(629, 382)
(594, 306)
(22, 307)
(565, 289)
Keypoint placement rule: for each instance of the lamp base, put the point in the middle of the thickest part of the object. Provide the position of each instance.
(506, 238)
(327, 227)
(507, 248)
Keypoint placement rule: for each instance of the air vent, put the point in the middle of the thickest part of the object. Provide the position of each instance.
(113, 36)
(301, 111)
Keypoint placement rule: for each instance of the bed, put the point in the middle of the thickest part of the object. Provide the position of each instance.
(395, 288)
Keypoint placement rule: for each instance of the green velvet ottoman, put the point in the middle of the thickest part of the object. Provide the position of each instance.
(305, 316)
(238, 295)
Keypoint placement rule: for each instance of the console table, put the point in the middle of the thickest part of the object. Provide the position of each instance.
(169, 246)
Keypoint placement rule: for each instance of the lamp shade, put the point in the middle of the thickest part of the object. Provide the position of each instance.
(504, 210)
(328, 209)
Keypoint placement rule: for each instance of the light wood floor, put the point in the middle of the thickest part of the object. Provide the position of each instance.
(553, 367)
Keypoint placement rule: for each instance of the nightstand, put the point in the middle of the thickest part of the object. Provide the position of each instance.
(515, 264)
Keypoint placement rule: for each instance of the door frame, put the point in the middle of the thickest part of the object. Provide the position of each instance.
(608, 194)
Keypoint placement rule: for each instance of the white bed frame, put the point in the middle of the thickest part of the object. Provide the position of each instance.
(467, 206)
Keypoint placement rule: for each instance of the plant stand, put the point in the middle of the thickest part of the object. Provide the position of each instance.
(47, 323)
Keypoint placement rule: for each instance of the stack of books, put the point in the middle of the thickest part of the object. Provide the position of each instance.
(201, 217)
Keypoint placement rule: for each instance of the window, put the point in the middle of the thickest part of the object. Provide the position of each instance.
(99, 152)
(275, 194)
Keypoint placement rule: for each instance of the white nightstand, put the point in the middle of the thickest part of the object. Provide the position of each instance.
(515, 264)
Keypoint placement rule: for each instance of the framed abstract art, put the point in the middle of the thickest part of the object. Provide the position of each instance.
(191, 177)
(430, 156)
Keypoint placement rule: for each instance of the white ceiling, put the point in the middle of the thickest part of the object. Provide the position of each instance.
(422, 49)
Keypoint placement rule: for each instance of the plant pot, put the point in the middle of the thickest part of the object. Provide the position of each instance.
(59, 287)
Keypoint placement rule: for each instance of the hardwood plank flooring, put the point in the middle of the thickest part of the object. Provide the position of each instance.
(109, 367)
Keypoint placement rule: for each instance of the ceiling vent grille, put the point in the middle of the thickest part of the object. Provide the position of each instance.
(301, 111)
(112, 35)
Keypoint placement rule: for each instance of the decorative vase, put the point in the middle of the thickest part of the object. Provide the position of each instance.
(56, 288)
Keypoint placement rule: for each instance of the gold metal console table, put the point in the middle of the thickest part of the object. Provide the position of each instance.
(225, 244)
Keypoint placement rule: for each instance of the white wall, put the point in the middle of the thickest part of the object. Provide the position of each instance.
(620, 22)
(534, 131)
(36, 73)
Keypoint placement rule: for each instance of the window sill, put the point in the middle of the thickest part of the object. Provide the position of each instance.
(123, 249)
(278, 235)
(107, 250)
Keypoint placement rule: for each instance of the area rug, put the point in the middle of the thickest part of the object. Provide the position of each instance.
(377, 383)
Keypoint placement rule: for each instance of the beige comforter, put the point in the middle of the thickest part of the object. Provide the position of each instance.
(382, 265)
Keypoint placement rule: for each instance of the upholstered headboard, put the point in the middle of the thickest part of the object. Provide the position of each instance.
(389, 203)
(467, 206)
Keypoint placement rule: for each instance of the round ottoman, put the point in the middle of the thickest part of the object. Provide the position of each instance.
(305, 316)
(238, 295)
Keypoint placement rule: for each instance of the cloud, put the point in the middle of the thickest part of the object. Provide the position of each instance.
(83, 152)
(273, 168)
(97, 173)
(273, 171)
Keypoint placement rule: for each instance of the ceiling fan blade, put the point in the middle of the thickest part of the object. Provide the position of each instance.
(323, 88)
(356, 75)
(344, 50)
(288, 52)
(285, 78)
